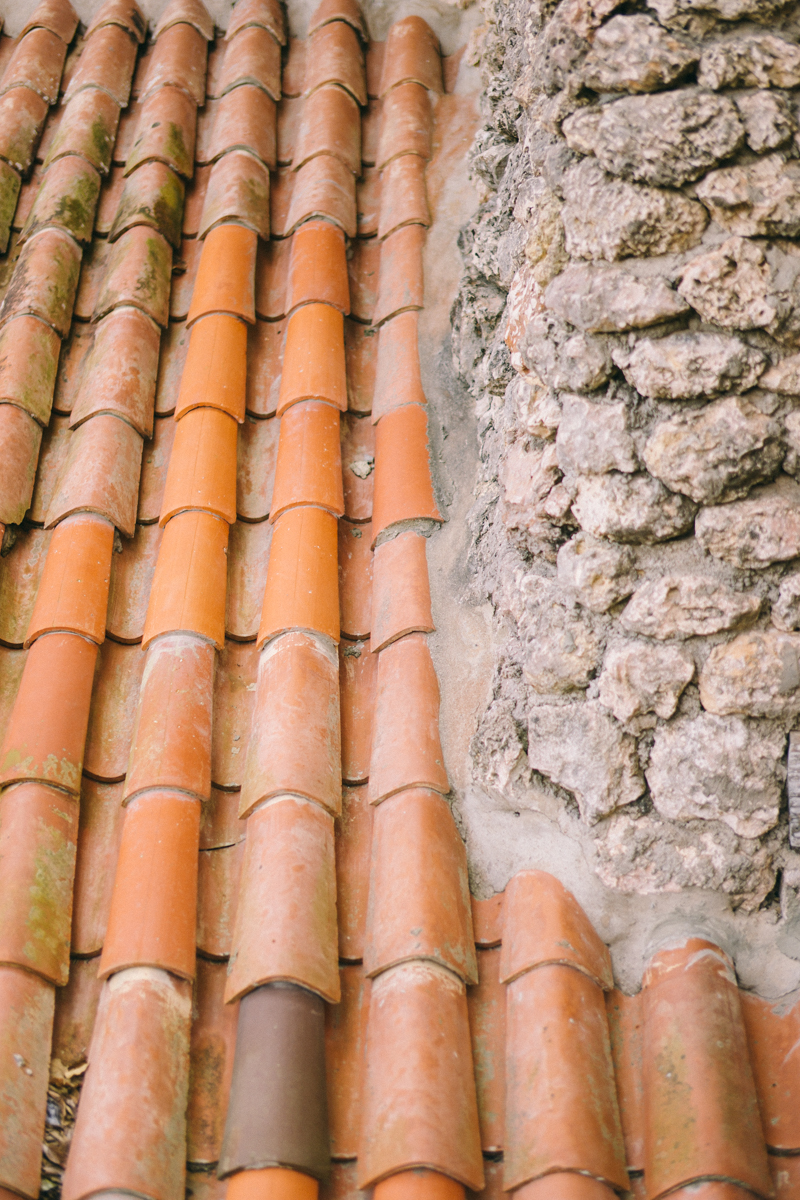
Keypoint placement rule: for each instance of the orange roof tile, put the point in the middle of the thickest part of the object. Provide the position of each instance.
(107, 62)
(29, 352)
(264, 360)
(253, 56)
(334, 56)
(219, 821)
(317, 269)
(309, 466)
(73, 591)
(101, 821)
(190, 12)
(131, 577)
(36, 63)
(393, 389)
(215, 367)
(323, 187)
(226, 274)
(245, 119)
(217, 888)
(404, 199)
(313, 359)
(358, 462)
(330, 124)
(357, 677)
(100, 473)
(412, 53)
(125, 13)
(258, 451)
(56, 15)
(22, 117)
(487, 1020)
(361, 355)
(27, 1002)
(188, 590)
(403, 489)
(353, 848)
(364, 270)
(368, 200)
(113, 711)
(119, 371)
(211, 1063)
(345, 1028)
(401, 279)
(302, 577)
(401, 597)
(153, 196)
(406, 125)
(266, 14)
(237, 190)
(248, 554)
(339, 10)
(355, 580)
(234, 697)
(178, 59)
(202, 466)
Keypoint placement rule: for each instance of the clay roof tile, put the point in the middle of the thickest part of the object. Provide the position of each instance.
(403, 488)
(625, 1027)
(772, 1037)
(211, 1062)
(345, 1029)
(29, 352)
(401, 284)
(302, 577)
(37, 63)
(313, 359)
(100, 473)
(154, 470)
(73, 592)
(253, 57)
(412, 53)
(238, 190)
(401, 593)
(358, 460)
(10, 192)
(20, 438)
(56, 15)
(138, 274)
(487, 1020)
(265, 354)
(406, 124)
(330, 124)
(245, 119)
(215, 367)
(67, 199)
(226, 275)
(234, 697)
(368, 202)
(111, 717)
(294, 69)
(107, 62)
(178, 59)
(267, 14)
(165, 131)
(361, 356)
(353, 844)
(318, 267)
(248, 553)
(202, 466)
(119, 371)
(355, 580)
(125, 13)
(217, 888)
(323, 187)
(333, 55)
(22, 117)
(363, 269)
(88, 127)
(309, 464)
(189, 12)
(357, 678)
(404, 199)
(339, 10)
(131, 576)
(487, 920)
(271, 277)
(397, 342)
(257, 455)
(45, 280)
(153, 195)
(188, 591)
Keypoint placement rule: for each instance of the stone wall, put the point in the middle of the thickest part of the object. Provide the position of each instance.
(628, 326)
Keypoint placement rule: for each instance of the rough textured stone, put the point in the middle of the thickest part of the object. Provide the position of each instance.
(664, 139)
(791, 430)
(599, 574)
(563, 359)
(763, 529)
(606, 299)
(684, 366)
(537, 408)
(768, 119)
(755, 675)
(784, 376)
(715, 453)
(631, 508)
(528, 479)
(744, 285)
(681, 606)
(728, 10)
(759, 199)
(786, 609)
(719, 769)
(638, 678)
(581, 748)
(594, 438)
(562, 651)
(759, 62)
(605, 218)
(634, 54)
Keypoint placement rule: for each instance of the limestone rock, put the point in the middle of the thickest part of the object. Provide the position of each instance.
(499, 758)
(742, 285)
(758, 531)
(527, 477)
(631, 508)
(634, 54)
(563, 359)
(536, 407)
(791, 429)
(760, 199)
(755, 675)
(786, 609)
(600, 574)
(715, 453)
(638, 678)
(562, 650)
(605, 218)
(768, 119)
(609, 299)
(664, 139)
(718, 769)
(727, 10)
(760, 62)
(581, 748)
(594, 438)
(681, 606)
(686, 365)
(784, 376)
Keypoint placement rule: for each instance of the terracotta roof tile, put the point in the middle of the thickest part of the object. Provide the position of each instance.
(271, 277)
(93, 269)
(125, 13)
(368, 202)
(211, 1063)
(153, 196)
(119, 371)
(412, 53)
(370, 132)
(202, 466)
(334, 55)
(184, 278)
(29, 352)
(264, 362)
(414, 838)
(406, 750)
(238, 190)
(67, 199)
(245, 119)
(544, 924)
(188, 591)
(152, 918)
(297, 749)
(178, 59)
(76, 1006)
(195, 199)
(309, 466)
(225, 277)
(364, 271)
(355, 580)
(219, 821)
(19, 582)
(313, 359)
(323, 187)
(73, 350)
(330, 124)
(785, 1177)
(361, 355)
(234, 696)
(302, 583)
(215, 367)
(772, 1040)
(568, 1186)
(403, 490)
(10, 190)
(165, 131)
(113, 711)
(406, 124)
(22, 117)
(280, 201)
(37, 892)
(44, 738)
(27, 194)
(253, 57)
(155, 460)
(487, 1019)
(190, 12)
(127, 130)
(248, 554)
(218, 885)
(290, 112)
(625, 1026)
(143, 1017)
(87, 128)
(288, 868)
(398, 341)
(107, 61)
(131, 577)
(37, 63)
(23, 454)
(374, 57)
(401, 278)
(294, 68)
(266, 14)
(100, 473)
(358, 460)
(357, 677)
(339, 10)
(404, 199)
(419, 1101)
(345, 1029)
(45, 280)
(257, 454)
(73, 593)
(27, 1002)
(317, 267)
(401, 594)
(172, 735)
(353, 846)
(56, 15)
(487, 920)
(138, 273)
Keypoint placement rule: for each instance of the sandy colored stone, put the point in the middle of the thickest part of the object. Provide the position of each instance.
(564, 359)
(639, 678)
(635, 54)
(606, 218)
(683, 366)
(784, 376)
(761, 61)
(537, 408)
(755, 675)
(715, 453)
(561, 649)
(665, 139)
(631, 508)
(718, 769)
(600, 574)
(786, 609)
(743, 285)
(682, 606)
(728, 10)
(594, 438)
(581, 748)
(768, 119)
(760, 199)
(608, 299)
(758, 531)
